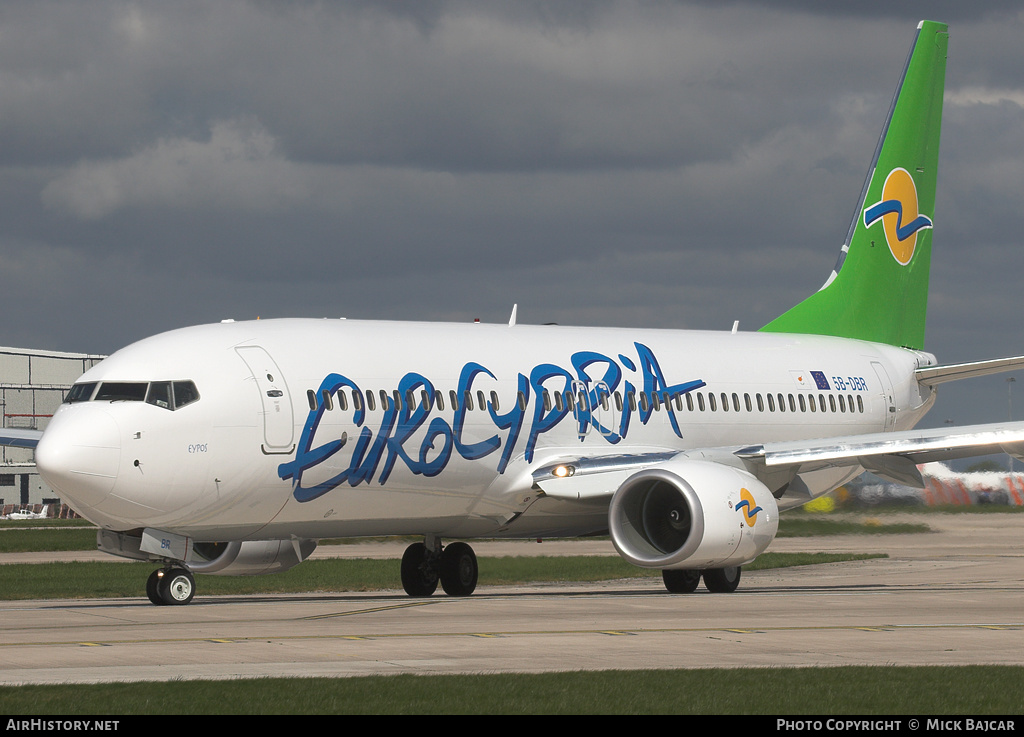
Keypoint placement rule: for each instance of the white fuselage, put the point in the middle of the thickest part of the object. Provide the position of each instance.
(278, 446)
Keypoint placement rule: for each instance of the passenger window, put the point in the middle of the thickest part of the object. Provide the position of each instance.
(689, 402)
(792, 403)
(832, 401)
(357, 400)
(631, 401)
(454, 397)
(760, 403)
(782, 403)
(522, 400)
(735, 402)
(328, 401)
(849, 402)
(860, 404)
(725, 402)
(821, 403)
(814, 405)
(424, 398)
(398, 399)
(656, 401)
(494, 401)
(643, 402)
(159, 394)
(746, 401)
(803, 404)
(342, 400)
(480, 401)
(467, 400)
(618, 402)
(711, 402)
(370, 404)
(547, 401)
(438, 399)
(771, 403)
(842, 404)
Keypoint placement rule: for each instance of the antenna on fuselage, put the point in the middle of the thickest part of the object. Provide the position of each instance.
(512, 320)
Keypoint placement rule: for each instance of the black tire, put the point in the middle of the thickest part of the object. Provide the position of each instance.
(459, 570)
(152, 588)
(419, 571)
(681, 582)
(722, 580)
(177, 587)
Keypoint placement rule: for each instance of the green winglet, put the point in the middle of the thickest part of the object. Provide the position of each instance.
(879, 288)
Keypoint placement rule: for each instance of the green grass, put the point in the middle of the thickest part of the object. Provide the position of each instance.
(39, 536)
(104, 580)
(970, 690)
(808, 526)
(45, 539)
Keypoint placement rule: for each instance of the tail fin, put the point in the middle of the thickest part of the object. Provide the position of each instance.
(878, 290)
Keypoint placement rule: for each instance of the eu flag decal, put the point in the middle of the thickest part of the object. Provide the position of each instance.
(820, 381)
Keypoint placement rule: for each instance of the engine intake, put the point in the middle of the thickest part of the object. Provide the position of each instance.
(692, 515)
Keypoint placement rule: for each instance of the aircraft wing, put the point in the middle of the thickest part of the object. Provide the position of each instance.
(13, 437)
(891, 455)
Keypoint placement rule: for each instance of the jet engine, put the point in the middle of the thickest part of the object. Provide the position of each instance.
(688, 514)
(249, 558)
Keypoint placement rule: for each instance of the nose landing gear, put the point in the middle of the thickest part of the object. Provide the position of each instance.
(171, 586)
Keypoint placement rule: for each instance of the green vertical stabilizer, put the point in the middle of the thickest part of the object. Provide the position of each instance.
(879, 288)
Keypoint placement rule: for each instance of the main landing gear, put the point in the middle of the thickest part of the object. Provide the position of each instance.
(424, 564)
(716, 580)
(173, 585)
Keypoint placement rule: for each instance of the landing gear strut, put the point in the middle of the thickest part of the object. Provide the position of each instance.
(424, 564)
(171, 586)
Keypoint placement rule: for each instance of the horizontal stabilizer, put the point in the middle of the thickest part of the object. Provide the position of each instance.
(932, 375)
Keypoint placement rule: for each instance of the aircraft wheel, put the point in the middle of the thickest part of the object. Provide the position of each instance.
(152, 588)
(458, 570)
(176, 586)
(680, 582)
(722, 580)
(419, 571)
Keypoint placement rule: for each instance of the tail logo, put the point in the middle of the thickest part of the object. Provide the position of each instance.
(899, 215)
(748, 506)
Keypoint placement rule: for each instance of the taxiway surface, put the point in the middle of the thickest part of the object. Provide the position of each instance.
(951, 597)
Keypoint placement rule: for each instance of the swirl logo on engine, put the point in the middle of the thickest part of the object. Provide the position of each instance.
(749, 507)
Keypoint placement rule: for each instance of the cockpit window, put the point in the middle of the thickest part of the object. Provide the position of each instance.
(164, 394)
(160, 394)
(185, 392)
(122, 391)
(80, 392)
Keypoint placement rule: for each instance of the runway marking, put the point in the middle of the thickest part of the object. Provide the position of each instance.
(371, 610)
(705, 631)
(220, 641)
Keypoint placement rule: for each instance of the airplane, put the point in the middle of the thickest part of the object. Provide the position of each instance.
(232, 448)
(27, 514)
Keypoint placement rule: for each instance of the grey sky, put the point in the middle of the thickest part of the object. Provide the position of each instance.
(664, 164)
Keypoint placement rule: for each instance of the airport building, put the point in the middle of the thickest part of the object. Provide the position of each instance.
(32, 386)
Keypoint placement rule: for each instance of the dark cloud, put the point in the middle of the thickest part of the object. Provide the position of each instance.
(667, 164)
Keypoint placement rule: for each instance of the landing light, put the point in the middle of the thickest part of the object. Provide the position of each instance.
(563, 471)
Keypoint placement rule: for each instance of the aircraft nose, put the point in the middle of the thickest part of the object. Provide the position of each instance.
(79, 455)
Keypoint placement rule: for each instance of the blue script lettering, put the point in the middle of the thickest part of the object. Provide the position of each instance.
(588, 387)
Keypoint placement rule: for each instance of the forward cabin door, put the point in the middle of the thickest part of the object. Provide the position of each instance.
(276, 403)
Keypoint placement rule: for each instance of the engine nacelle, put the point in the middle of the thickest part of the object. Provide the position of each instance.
(691, 514)
(249, 558)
